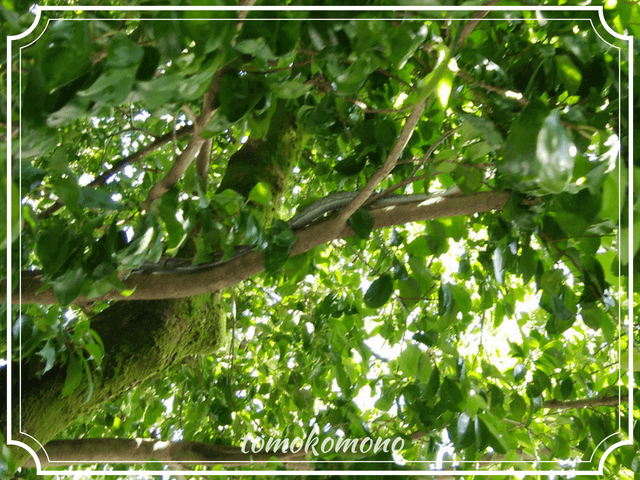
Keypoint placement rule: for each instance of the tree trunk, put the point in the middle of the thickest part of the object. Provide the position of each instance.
(141, 338)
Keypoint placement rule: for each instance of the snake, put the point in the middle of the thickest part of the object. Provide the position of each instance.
(307, 216)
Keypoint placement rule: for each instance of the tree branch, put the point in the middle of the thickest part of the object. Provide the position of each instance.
(589, 402)
(134, 157)
(209, 106)
(119, 450)
(202, 162)
(185, 284)
(472, 24)
(385, 170)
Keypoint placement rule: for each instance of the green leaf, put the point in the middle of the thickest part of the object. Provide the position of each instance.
(69, 192)
(123, 52)
(518, 406)
(65, 53)
(74, 375)
(362, 223)
(112, 87)
(15, 213)
(409, 290)
(445, 300)
(281, 240)
(275, 256)
(566, 388)
(420, 273)
(87, 371)
(352, 79)
(462, 437)
(429, 338)
(290, 90)
(519, 371)
(352, 165)
(451, 395)
(95, 351)
(555, 154)
(436, 237)
(282, 235)
(48, 354)
(498, 433)
(385, 133)
(54, 248)
(409, 360)
(379, 291)
(257, 47)
(569, 74)
(592, 315)
(68, 285)
(520, 162)
(445, 84)
(434, 383)
(95, 198)
(527, 264)
(486, 128)
(261, 194)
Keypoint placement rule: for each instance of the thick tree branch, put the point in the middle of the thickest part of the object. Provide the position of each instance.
(119, 450)
(185, 284)
(589, 402)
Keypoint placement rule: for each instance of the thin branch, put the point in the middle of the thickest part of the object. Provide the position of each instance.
(389, 165)
(202, 162)
(472, 24)
(517, 97)
(243, 13)
(280, 69)
(395, 77)
(411, 178)
(134, 157)
(209, 106)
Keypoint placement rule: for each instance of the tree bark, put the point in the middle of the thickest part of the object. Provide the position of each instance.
(120, 450)
(141, 338)
(150, 286)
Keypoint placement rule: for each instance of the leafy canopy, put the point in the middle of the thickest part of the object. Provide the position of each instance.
(465, 336)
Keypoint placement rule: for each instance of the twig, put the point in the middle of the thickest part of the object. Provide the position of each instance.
(159, 142)
(518, 97)
(590, 402)
(411, 178)
(243, 13)
(202, 162)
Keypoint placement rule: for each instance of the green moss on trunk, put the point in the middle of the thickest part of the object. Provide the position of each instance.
(141, 339)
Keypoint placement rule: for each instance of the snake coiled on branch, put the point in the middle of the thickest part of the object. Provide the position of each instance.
(306, 217)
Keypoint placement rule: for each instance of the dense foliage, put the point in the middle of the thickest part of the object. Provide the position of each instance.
(497, 337)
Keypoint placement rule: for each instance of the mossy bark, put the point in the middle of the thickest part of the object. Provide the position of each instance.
(141, 338)
(269, 159)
